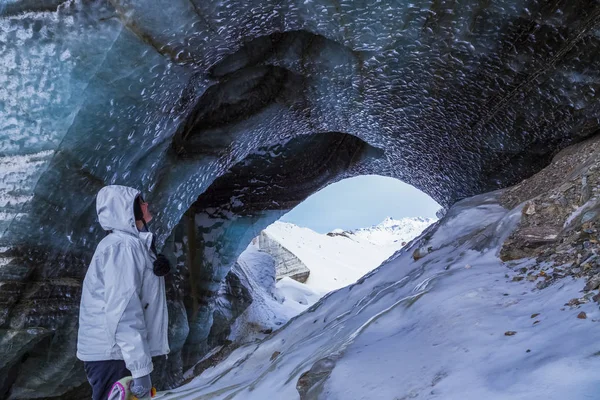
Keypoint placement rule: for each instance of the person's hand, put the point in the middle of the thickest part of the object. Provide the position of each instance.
(142, 387)
(162, 266)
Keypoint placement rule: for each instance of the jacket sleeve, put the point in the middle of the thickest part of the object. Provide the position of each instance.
(125, 321)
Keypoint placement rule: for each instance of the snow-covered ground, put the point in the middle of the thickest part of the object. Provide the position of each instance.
(334, 262)
(433, 328)
(340, 260)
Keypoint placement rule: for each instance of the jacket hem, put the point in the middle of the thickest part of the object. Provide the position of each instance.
(98, 357)
(115, 356)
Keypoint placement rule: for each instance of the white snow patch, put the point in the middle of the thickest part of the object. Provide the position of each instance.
(273, 304)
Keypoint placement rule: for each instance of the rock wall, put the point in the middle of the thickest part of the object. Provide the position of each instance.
(286, 263)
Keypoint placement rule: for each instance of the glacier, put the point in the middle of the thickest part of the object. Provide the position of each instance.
(227, 114)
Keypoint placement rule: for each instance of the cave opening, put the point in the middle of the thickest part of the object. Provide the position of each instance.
(221, 239)
(329, 241)
(462, 100)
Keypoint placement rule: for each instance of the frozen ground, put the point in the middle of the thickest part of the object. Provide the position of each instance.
(434, 328)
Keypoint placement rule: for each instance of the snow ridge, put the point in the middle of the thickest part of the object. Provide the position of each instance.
(394, 230)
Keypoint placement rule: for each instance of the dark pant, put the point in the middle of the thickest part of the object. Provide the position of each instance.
(103, 374)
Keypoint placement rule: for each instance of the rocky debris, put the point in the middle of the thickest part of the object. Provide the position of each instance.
(582, 315)
(529, 209)
(562, 173)
(421, 252)
(560, 221)
(593, 283)
(217, 355)
(310, 384)
(575, 302)
(340, 234)
(542, 285)
(532, 273)
(581, 300)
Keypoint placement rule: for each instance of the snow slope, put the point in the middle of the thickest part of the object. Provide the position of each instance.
(339, 260)
(334, 261)
(273, 304)
(434, 328)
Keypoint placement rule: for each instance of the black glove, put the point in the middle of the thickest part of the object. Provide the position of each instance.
(162, 266)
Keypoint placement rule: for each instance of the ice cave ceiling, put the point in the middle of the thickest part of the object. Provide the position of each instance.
(238, 110)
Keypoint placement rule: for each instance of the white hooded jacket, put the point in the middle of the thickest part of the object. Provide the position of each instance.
(123, 311)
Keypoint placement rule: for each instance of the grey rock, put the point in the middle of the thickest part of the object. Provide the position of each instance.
(286, 263)
(593, 283)
(310, 384)
(588, 216)
(441, 213)
(586, 191)
(542, 285)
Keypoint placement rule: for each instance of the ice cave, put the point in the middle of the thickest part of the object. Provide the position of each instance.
(226, 114)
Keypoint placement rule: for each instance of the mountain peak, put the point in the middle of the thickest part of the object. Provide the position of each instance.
(392, 230)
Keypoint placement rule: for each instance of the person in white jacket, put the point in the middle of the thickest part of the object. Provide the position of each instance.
(123, 317)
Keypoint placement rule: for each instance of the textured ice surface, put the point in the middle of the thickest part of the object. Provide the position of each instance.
(167, 96)
(248, 107)
(432, 328)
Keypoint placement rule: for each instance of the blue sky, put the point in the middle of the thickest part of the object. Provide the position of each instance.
(360, 202)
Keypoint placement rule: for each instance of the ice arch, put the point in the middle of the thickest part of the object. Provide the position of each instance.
(185, 99)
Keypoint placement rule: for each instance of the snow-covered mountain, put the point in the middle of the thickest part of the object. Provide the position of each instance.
(394, 231)
(339, 258)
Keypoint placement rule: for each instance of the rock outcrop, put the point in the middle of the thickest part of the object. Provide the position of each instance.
(560, 223)
(286, 263)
